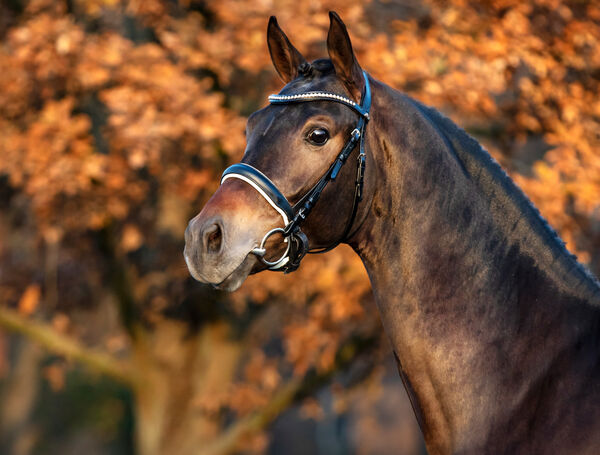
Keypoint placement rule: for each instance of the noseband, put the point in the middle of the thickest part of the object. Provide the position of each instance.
(293, 216)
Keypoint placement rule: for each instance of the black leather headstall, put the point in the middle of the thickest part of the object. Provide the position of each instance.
(293, 216)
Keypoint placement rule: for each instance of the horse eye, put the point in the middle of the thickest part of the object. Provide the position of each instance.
(318, 136)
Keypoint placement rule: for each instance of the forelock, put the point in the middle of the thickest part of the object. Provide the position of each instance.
(323, 66)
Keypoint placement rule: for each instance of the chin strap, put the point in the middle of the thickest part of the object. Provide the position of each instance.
(293, 217)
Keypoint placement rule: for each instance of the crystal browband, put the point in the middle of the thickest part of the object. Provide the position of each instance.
(315, 96)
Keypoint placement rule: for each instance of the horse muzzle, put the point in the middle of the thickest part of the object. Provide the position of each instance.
(221, 241)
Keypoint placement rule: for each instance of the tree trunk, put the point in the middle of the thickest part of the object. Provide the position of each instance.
(176, 367)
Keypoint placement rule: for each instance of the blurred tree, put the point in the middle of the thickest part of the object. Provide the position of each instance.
(116, 119)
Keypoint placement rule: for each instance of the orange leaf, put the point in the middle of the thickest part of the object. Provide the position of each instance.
(30, 299)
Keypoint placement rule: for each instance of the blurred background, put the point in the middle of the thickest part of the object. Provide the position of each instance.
(117, 118)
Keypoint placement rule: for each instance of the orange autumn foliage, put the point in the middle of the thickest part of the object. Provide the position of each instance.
(118, 116)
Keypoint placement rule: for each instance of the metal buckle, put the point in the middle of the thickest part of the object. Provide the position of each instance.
(360, 174)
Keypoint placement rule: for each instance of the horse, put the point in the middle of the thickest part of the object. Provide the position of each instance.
(495, 326)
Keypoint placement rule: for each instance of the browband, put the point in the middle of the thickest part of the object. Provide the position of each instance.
(297, 242)
(318, 96)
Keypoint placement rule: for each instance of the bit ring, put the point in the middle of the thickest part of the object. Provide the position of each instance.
(261, 251)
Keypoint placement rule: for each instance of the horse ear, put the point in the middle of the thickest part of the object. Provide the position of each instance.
(284, 55)
(342, 56)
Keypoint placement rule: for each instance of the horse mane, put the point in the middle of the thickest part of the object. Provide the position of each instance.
(494, 181)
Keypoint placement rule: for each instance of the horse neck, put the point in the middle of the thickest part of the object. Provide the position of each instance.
(466, 275)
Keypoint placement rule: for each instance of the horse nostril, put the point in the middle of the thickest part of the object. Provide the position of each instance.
(213, 238)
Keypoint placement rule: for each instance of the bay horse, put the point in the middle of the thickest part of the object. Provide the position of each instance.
(494, 325)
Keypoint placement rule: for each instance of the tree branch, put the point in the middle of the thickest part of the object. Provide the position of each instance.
(285, 397)
(57, 343)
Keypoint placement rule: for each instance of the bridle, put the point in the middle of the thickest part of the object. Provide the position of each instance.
(293, 216)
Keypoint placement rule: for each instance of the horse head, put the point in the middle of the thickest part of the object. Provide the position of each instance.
(265, 214)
